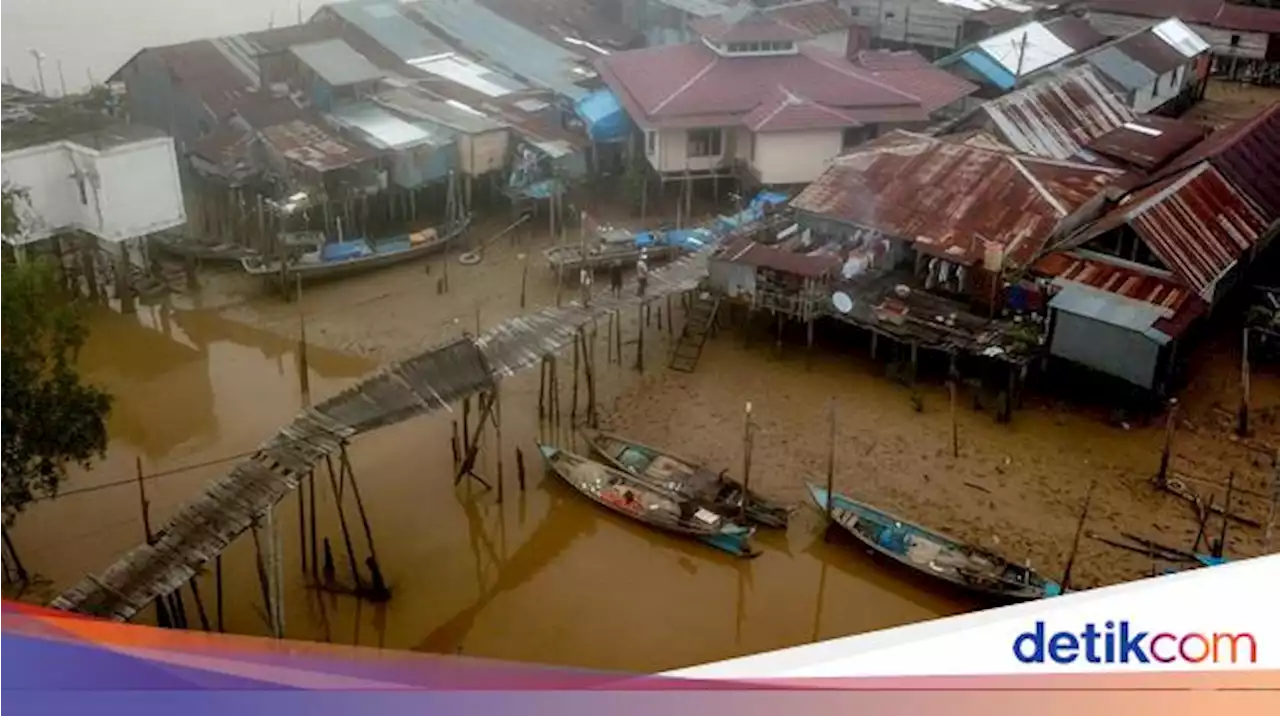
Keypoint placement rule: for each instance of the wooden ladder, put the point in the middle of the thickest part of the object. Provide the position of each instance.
(698, 325)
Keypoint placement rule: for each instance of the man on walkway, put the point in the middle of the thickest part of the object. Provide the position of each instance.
(642, 272)
(615, 277)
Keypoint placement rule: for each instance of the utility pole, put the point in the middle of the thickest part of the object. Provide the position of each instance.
(39, 58)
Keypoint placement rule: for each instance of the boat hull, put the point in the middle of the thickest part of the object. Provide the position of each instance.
(928, 552)
(332, 270)
(727, 500)
(614, 490)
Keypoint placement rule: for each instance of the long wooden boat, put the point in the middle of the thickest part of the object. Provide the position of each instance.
(685, 477)
(928, 552)
(184, 247)
(638, 499)
(569, 258)
(349, 258)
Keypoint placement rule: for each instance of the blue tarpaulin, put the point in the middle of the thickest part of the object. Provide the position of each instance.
(345, 250)
(981, 63)
(606, 120)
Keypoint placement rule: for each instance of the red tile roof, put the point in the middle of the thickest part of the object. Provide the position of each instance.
(953, 200)
(1147, 143)
(782, 110)
(1075, 32)
(1195, 222)
(691, 85)
(910, 72)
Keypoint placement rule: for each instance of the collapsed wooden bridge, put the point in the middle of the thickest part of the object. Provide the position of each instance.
(228, 506)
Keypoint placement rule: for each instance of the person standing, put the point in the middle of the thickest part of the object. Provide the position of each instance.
(642, 272)
(615, 277)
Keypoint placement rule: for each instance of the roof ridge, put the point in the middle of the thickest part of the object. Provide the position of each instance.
(684, 87)
(852, 70)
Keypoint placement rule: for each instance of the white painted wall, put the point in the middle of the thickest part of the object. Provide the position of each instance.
(124, 192)
(795, 157)
(1165, 88)
(671, 151)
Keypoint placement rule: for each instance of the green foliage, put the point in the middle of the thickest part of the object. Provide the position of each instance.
(51, 418)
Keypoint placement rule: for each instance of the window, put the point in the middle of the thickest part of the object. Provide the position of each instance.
(704, 143)
(650, 142)
(853, 136)
(1235, 40)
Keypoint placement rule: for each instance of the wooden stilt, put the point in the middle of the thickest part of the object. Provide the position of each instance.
(671, 319)
(1162, 475)
(831, 459)
(524, 278)
(542, 390)
(379, 589)
(1220, 547)
(520, 468)
(179, 609)
(342, 522)
(1242, 419)
(453, 440)
(746, 460)
(311, 500)
(589, 354)
(302, 527)
(217, 587)
(778, 342)
(573, 405)
(617, 334)
(640, 338)
(469, 459)
(497, 435)
(1075, 545)
(200, 612)
(466, 425)
(263, 581)
(953, 379)
(809, 343)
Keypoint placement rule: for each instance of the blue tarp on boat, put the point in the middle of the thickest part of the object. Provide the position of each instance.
(605, 119)
(345, 250)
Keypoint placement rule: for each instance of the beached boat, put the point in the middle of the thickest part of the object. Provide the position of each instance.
(609, 245)
(347, 258)
(186, 247)
(685, 477)
(642, 501)
(966, 566)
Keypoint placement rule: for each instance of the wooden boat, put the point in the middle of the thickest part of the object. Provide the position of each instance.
(971, 568)
(628, 495)
(685, 477)
(348, 258)
(185, 247)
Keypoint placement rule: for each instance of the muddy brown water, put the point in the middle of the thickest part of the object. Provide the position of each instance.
(546, 576)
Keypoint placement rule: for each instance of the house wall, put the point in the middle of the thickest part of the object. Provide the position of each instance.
(915, 22)
(1165, 88)
(153, 99)
(482, 153)
(1110, 349)
(731, 279)
(794, 157)
(127, 191)
(422, 165)
(1250, 45)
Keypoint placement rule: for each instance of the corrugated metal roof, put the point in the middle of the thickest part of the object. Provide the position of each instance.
(514, 48)
(313, 146)
(1139, 285)
(1076, 32)
(382, 21)
(697, 8)
(958, 201)
(816, 17)
(1195, 222)
(745, 23)
(1120, 68)
(1058, 115)
(336, 62)
(1180, 37)
(1247, 153)
(1109, 308)
(1152, 51)
(1025, 49)
(384, 130)
(472, 75)
(751, 253)
(1148, 142)
(412, 104)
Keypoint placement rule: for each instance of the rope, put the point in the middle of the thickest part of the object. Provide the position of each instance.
(152, 476)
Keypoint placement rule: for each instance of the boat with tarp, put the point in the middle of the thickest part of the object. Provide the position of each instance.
(715, 491)
(928, 552)
(354, 256)
(642, 501)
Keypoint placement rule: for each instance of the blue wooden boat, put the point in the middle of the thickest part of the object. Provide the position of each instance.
(928, 552)
(629, 495)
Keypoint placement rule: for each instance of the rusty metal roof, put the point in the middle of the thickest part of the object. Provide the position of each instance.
(1058, 115)
(1195, 222)
(1179, 306)
(1247, 154)
(313, 146)
(816, 17)
(966, 203)
(1213, 13)
(755, 254)
(1148, 142)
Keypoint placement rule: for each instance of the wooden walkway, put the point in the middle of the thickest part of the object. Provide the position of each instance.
(230, 505)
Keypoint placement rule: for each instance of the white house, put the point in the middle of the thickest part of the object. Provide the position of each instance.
(84, 173)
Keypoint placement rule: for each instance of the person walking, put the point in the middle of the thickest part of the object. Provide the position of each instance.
(615, 277)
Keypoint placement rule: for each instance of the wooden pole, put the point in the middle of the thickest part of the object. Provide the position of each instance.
(217, 597)
(342, 522)
(617, 334)
(573, 408)
(263, 581)
(542, 388)
(1075, 545)
(670, 319)
(200, 612)
(277, 565)
(1275, 501)
(831, 459)
(1162, 477)
(497, 434)
(146, 506)
(520, 467)
(746, 459)
(1221, 547)
(589, 358)
(524, 277)
(453, 442)
(466, 425)
(640, 338)
(953, 377)
(311, 499)
(1242, 423)
(304, 370)
(379, 588)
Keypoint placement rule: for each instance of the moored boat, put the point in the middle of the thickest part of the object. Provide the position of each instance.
(685, 477)
(186, 247)
(928, 552)
(348, 258)
(638, 499)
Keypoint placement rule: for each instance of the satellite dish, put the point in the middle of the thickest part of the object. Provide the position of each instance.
(842, 302)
